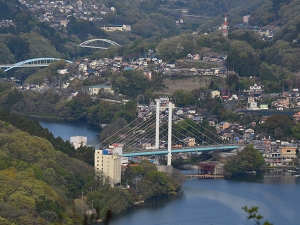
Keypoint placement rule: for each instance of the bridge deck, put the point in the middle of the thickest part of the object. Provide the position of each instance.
(181, 150)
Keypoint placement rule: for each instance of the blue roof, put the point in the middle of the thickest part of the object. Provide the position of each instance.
(128, 68)
(100, 86)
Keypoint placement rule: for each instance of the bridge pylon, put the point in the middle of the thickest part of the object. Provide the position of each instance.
(170, 135)
(157, 129)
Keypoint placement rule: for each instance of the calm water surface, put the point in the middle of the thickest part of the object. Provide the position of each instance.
(205, 201)
(67, 129)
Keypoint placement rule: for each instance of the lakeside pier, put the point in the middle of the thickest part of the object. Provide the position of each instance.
(205, 176)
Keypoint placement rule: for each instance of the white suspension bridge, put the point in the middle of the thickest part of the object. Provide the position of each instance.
(147, 137)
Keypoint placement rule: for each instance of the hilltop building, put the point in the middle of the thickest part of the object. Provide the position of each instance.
(94, 90)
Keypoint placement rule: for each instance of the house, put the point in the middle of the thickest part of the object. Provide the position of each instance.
(94, 90)
(255, 88)
(197, 119)
(189, 141)
(226, 134)
(215, 94)
(283, 102)
(223, 125)
(212, 121)
(253, 106)
(249, 131)
(296, 117)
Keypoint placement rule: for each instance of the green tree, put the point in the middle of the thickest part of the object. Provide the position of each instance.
(184, 98)
(249, 159)
(296, 130)
(277, 121)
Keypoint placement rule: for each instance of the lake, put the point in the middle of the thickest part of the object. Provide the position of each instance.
(205, 201)
(67, 129)
(208, 201)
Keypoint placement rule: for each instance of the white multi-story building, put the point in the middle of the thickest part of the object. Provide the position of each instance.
(78, 141)
(94, 90)
(109, 164)
(255, 88)
(117, 28)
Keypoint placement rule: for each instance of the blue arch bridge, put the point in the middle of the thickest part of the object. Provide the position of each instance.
(132, 139)
(37, 62)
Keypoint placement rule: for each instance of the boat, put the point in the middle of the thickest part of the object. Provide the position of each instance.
(251, 172)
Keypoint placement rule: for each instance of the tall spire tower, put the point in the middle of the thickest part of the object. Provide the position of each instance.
(225, 27)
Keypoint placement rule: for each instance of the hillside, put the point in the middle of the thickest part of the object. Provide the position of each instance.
(191, 83)
(37, 182)
(9, 9)
(41, 185)
(29, 37)
(283, 13)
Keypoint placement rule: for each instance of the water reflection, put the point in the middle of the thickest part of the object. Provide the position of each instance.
(271, 176)
(67, 129)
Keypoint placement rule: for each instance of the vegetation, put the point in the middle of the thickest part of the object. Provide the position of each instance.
(247, 160)
(253, 215)
(38, 183)
(145, 181)
(41, 184)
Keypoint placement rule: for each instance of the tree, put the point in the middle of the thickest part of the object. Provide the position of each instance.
(183, 98)
(277, 121)
(296, 130)
(84, 28)
(130, 83)
(249, 159)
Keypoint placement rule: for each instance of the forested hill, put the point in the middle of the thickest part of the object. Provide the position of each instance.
(153, 20)
(41, 185)
(283, 13)
(9, 9)
(38, 183)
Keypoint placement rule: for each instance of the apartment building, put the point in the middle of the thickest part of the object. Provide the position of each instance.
(284, 156)
(109, 164)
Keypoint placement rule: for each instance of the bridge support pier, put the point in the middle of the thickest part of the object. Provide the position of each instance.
(157, 160)
(165, 169)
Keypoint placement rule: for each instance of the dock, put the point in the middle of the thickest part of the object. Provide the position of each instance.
(205, 176)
